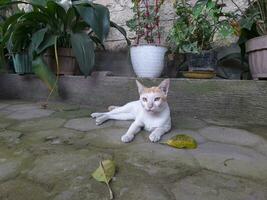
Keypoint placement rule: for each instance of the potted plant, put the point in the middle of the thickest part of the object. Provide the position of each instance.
(252, 29)
(2, 46)
(81, 24)
(20, 61)
(194, 31)
(147, 54)
(66, 59)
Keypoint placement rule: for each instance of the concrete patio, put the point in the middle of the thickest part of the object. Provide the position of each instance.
(50, 154)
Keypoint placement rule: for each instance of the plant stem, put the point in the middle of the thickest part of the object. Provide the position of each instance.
(157, 19)
(261, 25)
(57, 73)
(138, 21)
(147, 16)
(111, 196)
(243, 13)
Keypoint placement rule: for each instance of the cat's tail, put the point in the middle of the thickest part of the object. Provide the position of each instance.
(110, 108)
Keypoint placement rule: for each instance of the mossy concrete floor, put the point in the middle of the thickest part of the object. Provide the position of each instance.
(50, 154)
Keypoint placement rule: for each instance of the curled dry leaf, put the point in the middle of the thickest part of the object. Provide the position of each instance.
(104, 173)
(182, 142)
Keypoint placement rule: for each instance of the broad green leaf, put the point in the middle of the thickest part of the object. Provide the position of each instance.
(56, 10)
(48, 41)
(21, 37)
(6, 3)
(83, 49)
(36, 17)
(71, 18)
(36, 3)
(104, 173)
(37, 39)
(97, 41)
(182, 142)
(198, 9)
(79, 26)
(10, 20)
(44, 73)
(39, 2)
(2, 59)
(122, 30)
(97, 17)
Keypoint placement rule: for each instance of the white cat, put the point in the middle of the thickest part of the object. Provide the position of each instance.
(150, 112)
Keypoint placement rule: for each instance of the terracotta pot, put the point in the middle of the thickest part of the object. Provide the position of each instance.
(67, 62)
(257, 52)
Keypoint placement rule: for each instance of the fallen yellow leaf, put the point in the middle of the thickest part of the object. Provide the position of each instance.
(182, 142)
(104, 173)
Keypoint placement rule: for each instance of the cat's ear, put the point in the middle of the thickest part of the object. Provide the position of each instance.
(140, 87)
(164, 86)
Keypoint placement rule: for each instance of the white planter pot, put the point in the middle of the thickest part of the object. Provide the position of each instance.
(148, 60)
(257, 56)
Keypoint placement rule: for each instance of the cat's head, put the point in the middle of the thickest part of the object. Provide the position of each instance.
(153, 98)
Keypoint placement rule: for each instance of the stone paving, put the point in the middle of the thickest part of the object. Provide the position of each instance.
(50, 154)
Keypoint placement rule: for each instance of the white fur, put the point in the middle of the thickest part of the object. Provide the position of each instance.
(153, 116)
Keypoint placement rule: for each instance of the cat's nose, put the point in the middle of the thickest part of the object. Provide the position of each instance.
(150, 106)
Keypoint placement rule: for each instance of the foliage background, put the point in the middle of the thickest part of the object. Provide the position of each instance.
(121, 12)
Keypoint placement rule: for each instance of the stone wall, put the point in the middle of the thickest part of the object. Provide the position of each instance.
(121, 12)
(234, 101)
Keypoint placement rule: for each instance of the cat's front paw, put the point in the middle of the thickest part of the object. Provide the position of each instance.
(95, 115)
(100, 120)
(127, 138)
(153, 137)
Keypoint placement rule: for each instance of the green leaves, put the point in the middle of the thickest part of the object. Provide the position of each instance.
(104, 173)
(146, 21)
(122, 30)
(182, 142)
(97, 17)
(83, 49)
(48, 41)
(37, 30)
(37, 38)
(44, 73)
(195, 29)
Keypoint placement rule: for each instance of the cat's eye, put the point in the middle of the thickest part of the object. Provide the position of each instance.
(157, 99)
(144, 99)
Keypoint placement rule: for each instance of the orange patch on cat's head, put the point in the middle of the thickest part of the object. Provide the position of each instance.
(162, 89)
(152, 90)
(155, 90)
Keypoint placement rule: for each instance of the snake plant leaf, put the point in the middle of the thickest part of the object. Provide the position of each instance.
(182, 142)
(97, 17)
(83, 49)
(104, 173)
